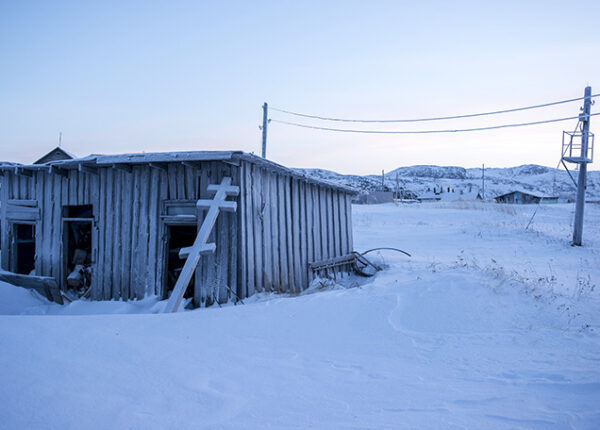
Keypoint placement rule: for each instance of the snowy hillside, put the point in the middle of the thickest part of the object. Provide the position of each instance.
(418, 179)
(488, 326)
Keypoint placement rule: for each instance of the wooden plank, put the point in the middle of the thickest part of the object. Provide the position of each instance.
(172, 177)
(108, 235)
(57, 230)
(47, 228)
(316, 216)
(116, 238)
(180, 172)
(244, 233)
(153, 228)
(223, 257)
(234, 260)
(81, 178)
(302, 235)
(44, 285)
(63, 196)
(139, 290)
(248, 285)
(201, 283)
(227, 206)
(191, 175)
(339, 260)
(232, 191)
(134, 263)
(330, 230)
(282, 234)
(343, 226)
(5, 234)
(210, 260)
(258, 207)
(163, 188)
(296, 253)
(206, 248)
(127, 251)
(194, 256)
(310, 249)
(336, 227)
(94, 199)
(22, 213)
(101, 223)
(24, 202)
(349, 222)
(274, 237)
(40, 178)
(289, 240)
(267, 236)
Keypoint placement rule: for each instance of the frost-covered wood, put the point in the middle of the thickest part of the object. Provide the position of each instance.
(284, 220)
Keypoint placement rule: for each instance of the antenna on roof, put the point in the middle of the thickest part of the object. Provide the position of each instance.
(59, 138)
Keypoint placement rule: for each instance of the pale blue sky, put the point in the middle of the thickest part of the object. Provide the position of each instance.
(158, 76)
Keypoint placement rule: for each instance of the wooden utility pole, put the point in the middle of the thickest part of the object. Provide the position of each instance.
(581, 180)
(483, 182)
(264, 129)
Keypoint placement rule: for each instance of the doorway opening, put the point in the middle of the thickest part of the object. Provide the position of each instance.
(178, 236)
(77, 251)
(24, 248)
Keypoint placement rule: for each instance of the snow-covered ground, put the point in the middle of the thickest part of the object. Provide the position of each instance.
(488, 325)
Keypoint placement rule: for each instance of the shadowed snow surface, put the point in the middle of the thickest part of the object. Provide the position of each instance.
(488, 325)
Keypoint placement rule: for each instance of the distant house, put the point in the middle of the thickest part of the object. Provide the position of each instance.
(374, 197)
(520, 197)
(442, 194)
(56, 154)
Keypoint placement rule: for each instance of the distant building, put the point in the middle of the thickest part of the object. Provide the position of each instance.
(56, 154)
(520, 197)
(452, 195)
(374, 197)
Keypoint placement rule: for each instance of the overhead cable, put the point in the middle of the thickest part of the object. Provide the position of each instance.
(345, 130)
(323, 118)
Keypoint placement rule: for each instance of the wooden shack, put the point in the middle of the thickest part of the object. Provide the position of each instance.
(119, 221)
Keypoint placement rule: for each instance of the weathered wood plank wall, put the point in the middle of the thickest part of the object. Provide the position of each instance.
(283, 223)
(287, 223)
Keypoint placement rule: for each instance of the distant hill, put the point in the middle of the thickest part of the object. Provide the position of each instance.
(418, 180)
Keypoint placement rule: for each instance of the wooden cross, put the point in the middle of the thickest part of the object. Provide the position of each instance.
(193, 253)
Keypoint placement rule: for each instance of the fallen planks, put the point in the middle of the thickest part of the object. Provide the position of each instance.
(45, 285)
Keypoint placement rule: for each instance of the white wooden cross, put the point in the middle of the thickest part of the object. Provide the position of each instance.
(193, 253)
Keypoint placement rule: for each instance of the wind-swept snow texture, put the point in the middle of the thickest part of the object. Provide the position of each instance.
(487, 326)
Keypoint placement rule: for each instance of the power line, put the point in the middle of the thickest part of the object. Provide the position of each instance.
(323, 118)
(345, 130)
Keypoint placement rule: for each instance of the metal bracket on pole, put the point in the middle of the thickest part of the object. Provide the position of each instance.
(569, 153)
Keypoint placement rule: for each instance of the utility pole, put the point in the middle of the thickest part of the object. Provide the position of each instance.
(382, 180)
(264, 129)
(483, 182)
(59, 139)
(582, 178)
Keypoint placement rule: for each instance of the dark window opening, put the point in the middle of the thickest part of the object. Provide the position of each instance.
(78, 211)
(179, 236)
(78, 253)
(24, 248)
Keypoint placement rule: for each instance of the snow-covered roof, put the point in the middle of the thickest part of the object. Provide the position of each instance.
(99, 160)
(56, 152)
(537, 194)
